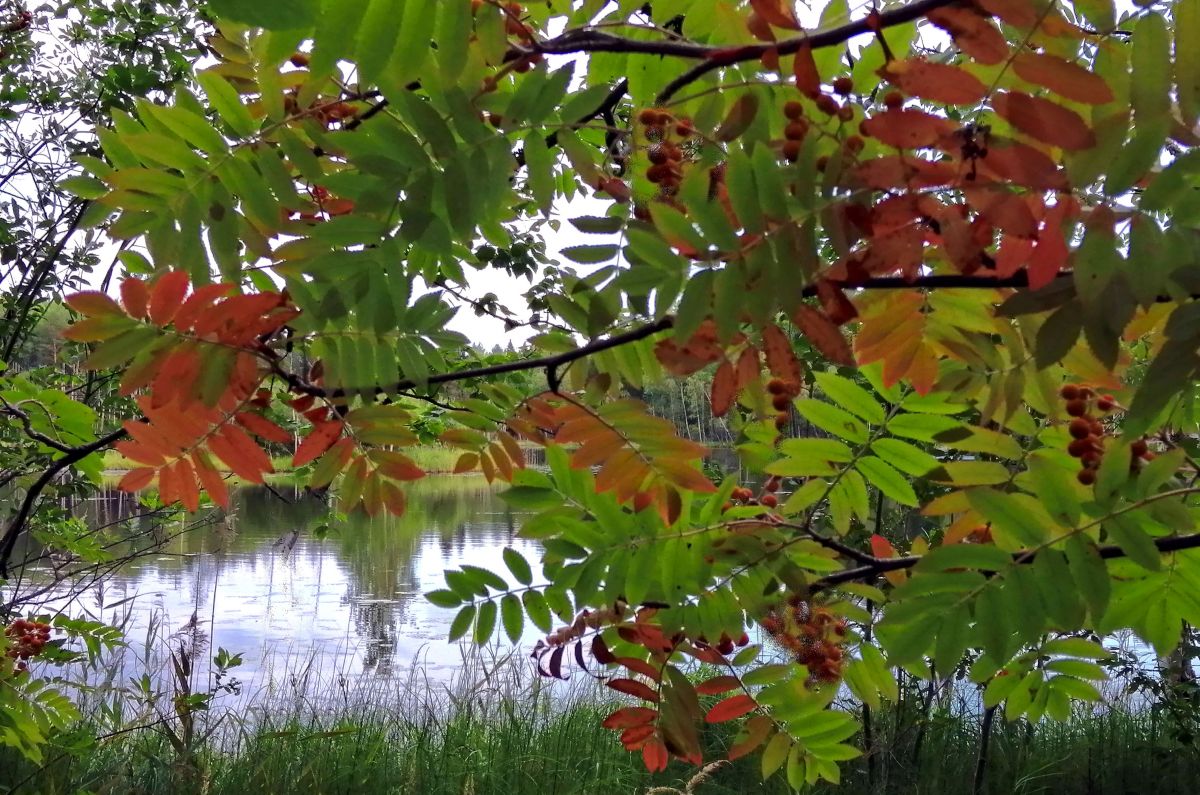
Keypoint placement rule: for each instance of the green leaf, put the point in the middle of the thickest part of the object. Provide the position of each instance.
(444, 598)
(1090, 574)
(1187, 59)
(1054, 488)
(537, 610)
(922, 427)
(973, 439)
(883, 477)
(485, 622)
(531, 498)
(461, 623)
(1113, 472)
(851, 397)
(590, 255)
(832, 419)
(517, 564)
(1126, 532)
(228, 103)
(1150, 83)
(971, 473)
(965, 556)
(906, 457)
(512, 616)
(1010, 515)
(269, 14)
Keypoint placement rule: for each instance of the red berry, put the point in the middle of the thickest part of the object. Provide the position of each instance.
(1080, 447)
(648, 116)
(1086, 476)
(770, 500)
(1080, 428)
(1139, 448)
(843, 85)
(781, 420)
(776, 386)
(791, 151)
(793, 110)
(796, 130)
(1105, 403)
(1077, 407)
(1069, 392)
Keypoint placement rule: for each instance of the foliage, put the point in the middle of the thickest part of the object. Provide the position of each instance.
(961, 248)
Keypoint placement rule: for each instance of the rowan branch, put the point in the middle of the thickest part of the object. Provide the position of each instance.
(879, 566)
(581, 40)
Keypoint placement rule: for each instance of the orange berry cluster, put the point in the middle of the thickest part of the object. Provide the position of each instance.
(1087, 432)
(745, 496)
(665, 155)
(782, 395)
(795, 131)
(29, 638)
(813, 634)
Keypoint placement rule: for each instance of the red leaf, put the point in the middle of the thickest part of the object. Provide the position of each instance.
(628, 717)
(640, 667)
(907, 129)
(92, 303)
(166, 296)
(1062, 77)
(935, 82)
(1051, 253)
(730, 708)
(808, 80)
(833, 300)
(1018, 13)
(1004, 210)
(747, 367)
(467, 462)
(401, 467)
(1044, 120)
(823, 334)
(778, 12)
(881, 547)
(136, 479)
(654, 755)
(262, 427)
(724, 389)
(393, 498)
(894, 171)
(975, 35)
(185, 482)
(718, 685)
(616, 188)
(634, 688)
(635, 736)
(200, 301)
(317, 442)
(135, 295)
(781, 359)
(1023, 165)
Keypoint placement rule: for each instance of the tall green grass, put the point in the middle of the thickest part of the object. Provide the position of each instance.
(507, 734)
(431, 457)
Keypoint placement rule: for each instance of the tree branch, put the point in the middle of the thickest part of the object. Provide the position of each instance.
(880, 566)
(715, 57)
(9, 541)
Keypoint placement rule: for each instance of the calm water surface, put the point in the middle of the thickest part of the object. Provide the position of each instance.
(337, 608)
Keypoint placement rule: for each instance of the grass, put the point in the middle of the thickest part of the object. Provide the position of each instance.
(432, 458)
(503, 732)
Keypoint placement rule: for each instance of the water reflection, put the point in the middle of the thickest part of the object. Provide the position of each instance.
(262, 581)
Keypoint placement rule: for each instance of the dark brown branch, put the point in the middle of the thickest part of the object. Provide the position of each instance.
(30, 431)
(715, 57)
(9, 541)
(880, 566)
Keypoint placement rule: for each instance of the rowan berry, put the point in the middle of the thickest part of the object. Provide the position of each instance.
(843, 85)
(1080, 428)
(1077, 407)
(647, 116)
(1086, 476)
(796, 130)
(781, 420)
(1069, 392)
(776, 386)
(1105, 403)
(794, 110)
(770, 500)
(791, 151)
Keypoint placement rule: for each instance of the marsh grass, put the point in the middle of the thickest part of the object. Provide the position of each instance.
(432, 458)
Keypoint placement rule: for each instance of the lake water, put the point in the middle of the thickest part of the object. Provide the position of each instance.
(305, 610)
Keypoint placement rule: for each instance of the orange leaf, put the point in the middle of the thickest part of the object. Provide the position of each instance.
(718, 685)
(135, 295)
(730, 708)
(1044, 120)
(823, 334)
(808, 80)
(778, 12)
(757, 730)
(1051, 253)
(633, 688)
(1004, 210)
(212, 480)
(150, 438)
(136, 479)
(781, 359)
(975, 35)
(894, 171)
(724, 389)
(262, 427)
(393, 498)
(93, 303)
(837, 306)
(466, 463)
(398, 466)
(1062, 77)
(635, 736)
(882, 548)
(166, 296)
(166, 486)
(628, 717)
(97, 329)
(907, 129)
(747, 367)
(185, 482)
(317, 442)
(199, 302)
(935, 82)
